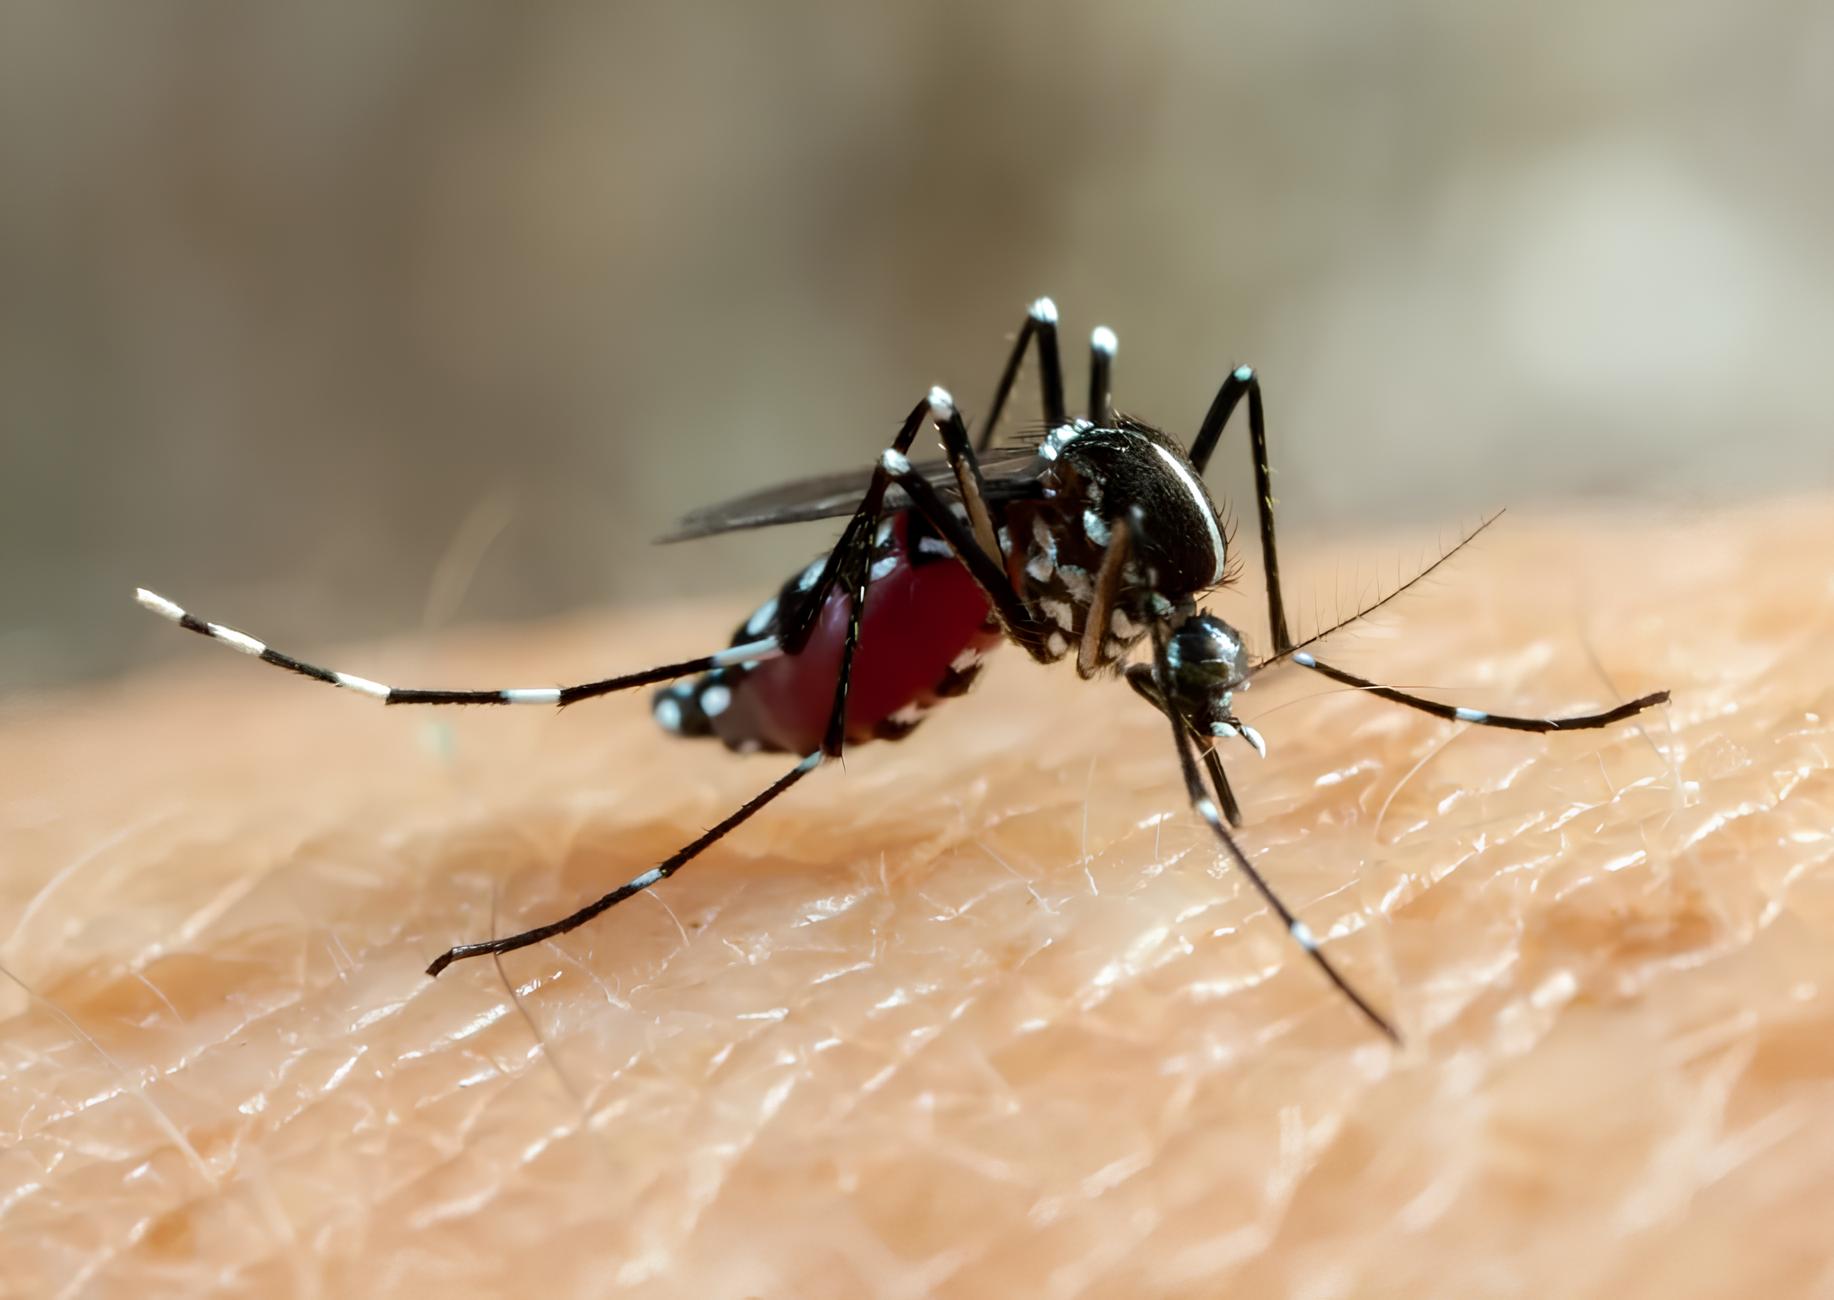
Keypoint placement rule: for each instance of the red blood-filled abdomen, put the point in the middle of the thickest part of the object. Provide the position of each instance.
(919, 621)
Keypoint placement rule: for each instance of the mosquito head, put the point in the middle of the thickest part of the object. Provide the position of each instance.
(1204, 664)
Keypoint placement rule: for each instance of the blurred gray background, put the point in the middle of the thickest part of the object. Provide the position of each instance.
(303, 306)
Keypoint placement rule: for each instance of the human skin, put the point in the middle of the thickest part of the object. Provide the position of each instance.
(984, 1013)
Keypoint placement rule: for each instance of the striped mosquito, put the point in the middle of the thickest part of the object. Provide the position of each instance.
(1095, 541)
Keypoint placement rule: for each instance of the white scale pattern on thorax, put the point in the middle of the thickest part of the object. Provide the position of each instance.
(1061, 561)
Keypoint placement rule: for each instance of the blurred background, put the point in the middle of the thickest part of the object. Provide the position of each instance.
(345, 319)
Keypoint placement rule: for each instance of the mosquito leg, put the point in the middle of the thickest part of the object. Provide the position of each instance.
(1102, 345)
(1455, 713)
(680, 858)
(856, 568)
(855, 540)
(855, 544)
(1108, 578)
(1040, 324)
(1207, 809)
(1140, 677)
(971, 486)
(989, 575)
(1219, 781)
(1244, 382)
(850, 564)
(546, 695)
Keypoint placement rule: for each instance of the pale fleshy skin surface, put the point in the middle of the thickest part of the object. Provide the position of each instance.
(982, 1014)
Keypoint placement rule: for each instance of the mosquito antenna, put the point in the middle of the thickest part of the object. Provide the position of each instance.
(1373, 606)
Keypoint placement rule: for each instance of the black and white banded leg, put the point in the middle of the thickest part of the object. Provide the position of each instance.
(1458, 713)
(969, 483)
(849, 564)
(1300, 654)
(1244, 382)
(1040, 326)
(655, 875)
(550, 696)
(1208, 810)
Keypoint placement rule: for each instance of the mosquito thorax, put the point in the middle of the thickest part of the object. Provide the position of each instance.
(1091, 476)
(1134, 471)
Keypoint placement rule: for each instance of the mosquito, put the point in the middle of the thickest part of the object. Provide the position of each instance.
(1094, 539)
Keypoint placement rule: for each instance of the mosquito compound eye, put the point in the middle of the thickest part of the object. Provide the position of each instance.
(1209, 654)
(1207, 663)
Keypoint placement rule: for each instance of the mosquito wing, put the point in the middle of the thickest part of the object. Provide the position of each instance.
(1008, 473)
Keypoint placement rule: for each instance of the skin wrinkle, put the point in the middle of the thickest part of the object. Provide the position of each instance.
(128, 1084)
(902, 1127)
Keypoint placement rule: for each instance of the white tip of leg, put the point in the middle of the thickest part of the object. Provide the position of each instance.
(1206, 808)
(1304, 660)
(647, 879)
(1472, 715)
(1254, 738)
(532, 695)
(751, 651)
(810, 763)
(362, 685)
(1103, 340)
(1045, 310)
(1303, 933)
(942, 404)
(158, 604)
(1244, 373)
(894, 462)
